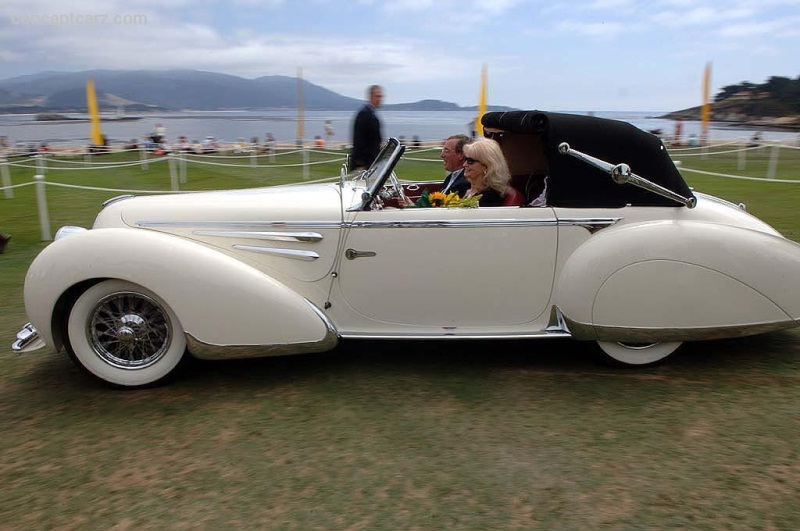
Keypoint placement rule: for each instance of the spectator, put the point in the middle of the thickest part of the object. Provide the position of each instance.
(4, 239)
(367, 131)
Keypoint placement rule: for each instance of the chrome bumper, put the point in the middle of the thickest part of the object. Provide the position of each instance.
(28, 340)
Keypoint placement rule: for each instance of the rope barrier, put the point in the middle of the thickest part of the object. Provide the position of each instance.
(263, 166)
(17, 186)
(740, 177)
(98, 189)
(108, 166)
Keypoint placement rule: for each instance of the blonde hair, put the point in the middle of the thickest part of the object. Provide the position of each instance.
(488, 152)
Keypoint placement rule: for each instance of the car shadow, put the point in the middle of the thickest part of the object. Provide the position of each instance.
(767, 354)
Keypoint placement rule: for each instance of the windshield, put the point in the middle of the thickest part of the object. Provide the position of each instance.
(380, 170)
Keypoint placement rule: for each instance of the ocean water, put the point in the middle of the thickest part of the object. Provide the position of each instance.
(232, 126)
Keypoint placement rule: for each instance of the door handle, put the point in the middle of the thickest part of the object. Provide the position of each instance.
(352, 254)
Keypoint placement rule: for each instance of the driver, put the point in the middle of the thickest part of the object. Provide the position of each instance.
(453, 157)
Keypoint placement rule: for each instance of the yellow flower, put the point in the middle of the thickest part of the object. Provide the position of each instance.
(437, 199)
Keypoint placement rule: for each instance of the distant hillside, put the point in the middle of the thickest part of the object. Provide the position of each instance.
(774, 104)
(147, 90)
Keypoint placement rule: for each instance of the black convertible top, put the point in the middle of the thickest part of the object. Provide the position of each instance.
(574, 183)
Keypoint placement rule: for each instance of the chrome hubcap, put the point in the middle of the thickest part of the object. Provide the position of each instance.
(129, 330)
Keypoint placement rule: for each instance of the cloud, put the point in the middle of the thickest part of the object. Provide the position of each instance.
(592, 29)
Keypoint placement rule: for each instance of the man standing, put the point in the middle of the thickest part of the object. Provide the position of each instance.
(367, 131)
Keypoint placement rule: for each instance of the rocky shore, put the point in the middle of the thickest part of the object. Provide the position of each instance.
(737, 118)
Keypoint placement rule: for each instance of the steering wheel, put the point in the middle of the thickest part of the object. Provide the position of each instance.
(399, 188)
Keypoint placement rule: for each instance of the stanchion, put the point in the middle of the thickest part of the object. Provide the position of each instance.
(253, 157)
(742, 159)
(41, 165)
(773, 162)
(182, 167)
(6, 178)
(41, 201)
(305, 163)
(143, 156)
(173, 173)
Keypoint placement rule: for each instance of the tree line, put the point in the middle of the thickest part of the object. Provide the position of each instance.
(778, 96)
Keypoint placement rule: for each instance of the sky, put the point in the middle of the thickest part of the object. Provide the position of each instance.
(582, 55)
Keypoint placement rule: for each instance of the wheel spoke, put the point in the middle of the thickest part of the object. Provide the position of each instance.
(129, 330)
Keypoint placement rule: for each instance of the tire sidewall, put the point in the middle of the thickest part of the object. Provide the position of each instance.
(638, 357)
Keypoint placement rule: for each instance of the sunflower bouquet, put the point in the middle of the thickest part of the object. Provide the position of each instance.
(442, 200)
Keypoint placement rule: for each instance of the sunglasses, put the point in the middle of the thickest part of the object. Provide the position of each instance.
(469, 161)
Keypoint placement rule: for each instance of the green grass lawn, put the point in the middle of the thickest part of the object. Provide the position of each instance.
(400, 435)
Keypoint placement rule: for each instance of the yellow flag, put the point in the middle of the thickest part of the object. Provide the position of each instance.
(300, 124)
(705, 114)
(481, 103)
(94, 115)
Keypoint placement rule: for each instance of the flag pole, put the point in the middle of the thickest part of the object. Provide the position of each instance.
(94, 115)
(706, 110)
(300, 123)
(481, 103)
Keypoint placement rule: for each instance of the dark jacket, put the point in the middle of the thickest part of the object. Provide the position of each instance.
(366, 138)
(461, 184)
(490, 198)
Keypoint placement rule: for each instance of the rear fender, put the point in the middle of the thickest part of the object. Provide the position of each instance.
(679, 281)
(219, 300)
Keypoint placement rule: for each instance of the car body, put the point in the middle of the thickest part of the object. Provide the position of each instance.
(622, 253)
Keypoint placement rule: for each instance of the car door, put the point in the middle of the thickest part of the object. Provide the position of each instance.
(445, 269)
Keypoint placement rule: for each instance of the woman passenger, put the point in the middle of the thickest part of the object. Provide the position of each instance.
(487, 171)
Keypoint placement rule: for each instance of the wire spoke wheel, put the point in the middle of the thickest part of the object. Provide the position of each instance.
(129, 330)
(124, 334)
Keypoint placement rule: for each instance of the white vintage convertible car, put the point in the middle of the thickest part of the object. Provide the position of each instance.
(623, 253)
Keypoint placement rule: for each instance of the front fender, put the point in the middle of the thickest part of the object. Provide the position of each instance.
(680, 280)
(218, 300)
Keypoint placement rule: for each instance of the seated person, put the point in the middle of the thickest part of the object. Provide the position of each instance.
(487, 171)
(453, 157)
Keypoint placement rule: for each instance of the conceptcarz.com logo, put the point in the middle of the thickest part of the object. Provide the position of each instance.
(72, 19)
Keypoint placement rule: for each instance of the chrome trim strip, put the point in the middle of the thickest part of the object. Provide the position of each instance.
(208, 351)
(297, 254)
(641, 335)
(117, 199)
(305, 237)
(591, 224)
(455, 334)
(453, 223)
(557, 322)
(223, 225)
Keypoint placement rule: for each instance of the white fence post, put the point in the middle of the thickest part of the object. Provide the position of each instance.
(253, 155)
(182, 167)
(173, 173)
(742, 158)
(41, 164)
(6, 178)
(305, 162)
(143, 156)
(41, 201)
(773, 161)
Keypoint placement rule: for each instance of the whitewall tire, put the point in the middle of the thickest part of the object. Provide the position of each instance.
(639, 354)
(124, 334)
